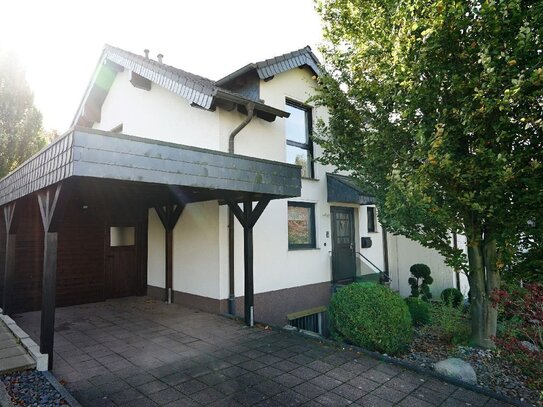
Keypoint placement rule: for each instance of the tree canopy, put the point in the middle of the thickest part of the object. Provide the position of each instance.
(437, 106)
(20, 121)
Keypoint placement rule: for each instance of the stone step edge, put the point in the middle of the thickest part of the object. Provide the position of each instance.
(42, 360)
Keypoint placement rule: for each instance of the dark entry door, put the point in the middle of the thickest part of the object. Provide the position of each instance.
(121, 262)
(343, 244)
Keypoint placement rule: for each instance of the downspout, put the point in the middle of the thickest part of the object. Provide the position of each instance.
(232, 294)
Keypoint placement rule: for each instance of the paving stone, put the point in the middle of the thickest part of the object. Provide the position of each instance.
(124, 396)
(332, 399)
(469, 396)
(165, 396)
(388, 393)
(289, 398)
(429, 395)
(320, 366)
(309, 390)
(288, 380)
(400, 384)
(325, 382)
(249, 396)
(371, 400)
(152, 387)
(190, 387)
(349, 392)
(270, 388)
(341, 374)
(207, 396)
(304, 373)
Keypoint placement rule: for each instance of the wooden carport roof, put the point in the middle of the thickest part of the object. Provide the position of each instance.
(206, 174)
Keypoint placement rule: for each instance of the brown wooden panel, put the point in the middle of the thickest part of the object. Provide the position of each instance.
(81, 270)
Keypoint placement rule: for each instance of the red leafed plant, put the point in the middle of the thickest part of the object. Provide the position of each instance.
(521, 337)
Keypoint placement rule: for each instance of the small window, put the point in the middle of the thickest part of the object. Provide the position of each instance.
(122, 236)
(298, 134)
(371, 219)
(301, 225)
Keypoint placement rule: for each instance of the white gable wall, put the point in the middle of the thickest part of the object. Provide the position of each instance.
(157, 114)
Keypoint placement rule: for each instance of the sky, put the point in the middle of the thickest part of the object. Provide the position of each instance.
(59, 42)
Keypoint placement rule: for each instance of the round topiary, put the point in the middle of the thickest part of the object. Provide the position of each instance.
(452, 296)
(371, 316)
(419, 310)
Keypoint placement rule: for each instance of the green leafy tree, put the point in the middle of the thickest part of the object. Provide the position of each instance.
(437, 106)
(20, 121)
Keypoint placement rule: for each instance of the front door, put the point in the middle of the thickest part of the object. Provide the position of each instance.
(121, 262)
(343, 244)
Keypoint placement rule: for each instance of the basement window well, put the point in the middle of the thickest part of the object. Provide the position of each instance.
(122, 236)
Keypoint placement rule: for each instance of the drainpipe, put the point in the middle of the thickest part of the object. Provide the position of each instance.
(232, 294)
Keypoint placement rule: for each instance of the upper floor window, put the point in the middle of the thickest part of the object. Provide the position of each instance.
(298, 132)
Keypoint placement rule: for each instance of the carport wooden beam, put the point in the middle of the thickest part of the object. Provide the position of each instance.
(9, 265)
(248, 218)
(169, 215)
(47, 201)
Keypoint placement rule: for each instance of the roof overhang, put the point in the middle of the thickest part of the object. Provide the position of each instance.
(198, 91)
(345, 190)
(203, 174)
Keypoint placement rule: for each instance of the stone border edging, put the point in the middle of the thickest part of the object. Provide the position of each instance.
(410, 366)
(32, 348)
(61, 389)
(394, 361)
(5, 399)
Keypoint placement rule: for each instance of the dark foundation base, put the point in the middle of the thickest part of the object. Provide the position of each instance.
(271, 307)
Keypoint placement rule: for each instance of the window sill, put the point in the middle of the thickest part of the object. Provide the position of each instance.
(297, 249)
(310, 179)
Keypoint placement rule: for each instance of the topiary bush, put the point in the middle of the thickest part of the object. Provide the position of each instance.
(452, 296)
(419, 310)
(371, 316)
(420, 282)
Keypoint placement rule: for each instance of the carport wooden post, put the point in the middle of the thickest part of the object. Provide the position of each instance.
(169, 215)
(9, 264)
(248, 218)
(47, 201)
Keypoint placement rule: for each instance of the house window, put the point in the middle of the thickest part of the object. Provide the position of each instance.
(301, 225)
(298, 132)
(371, 219)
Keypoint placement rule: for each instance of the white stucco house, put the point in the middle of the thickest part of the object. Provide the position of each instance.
(192, 252)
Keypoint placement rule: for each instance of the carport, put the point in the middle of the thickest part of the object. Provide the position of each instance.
(64, 208)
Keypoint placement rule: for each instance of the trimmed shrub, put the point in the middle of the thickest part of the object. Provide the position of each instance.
(371, 316)
(452, 296)
(451, 323)
(419, 310)
(420, 282)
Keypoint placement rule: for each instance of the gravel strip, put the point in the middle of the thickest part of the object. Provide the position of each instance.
(493, 372)
(31, 388)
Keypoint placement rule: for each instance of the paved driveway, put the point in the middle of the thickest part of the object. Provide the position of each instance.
(140, 352)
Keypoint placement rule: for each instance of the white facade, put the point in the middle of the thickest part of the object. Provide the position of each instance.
(200, 263)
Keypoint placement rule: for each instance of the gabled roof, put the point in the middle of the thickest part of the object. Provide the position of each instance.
(273, 66)
(197, 90)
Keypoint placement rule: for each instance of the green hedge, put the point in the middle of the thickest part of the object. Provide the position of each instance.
(371, 316)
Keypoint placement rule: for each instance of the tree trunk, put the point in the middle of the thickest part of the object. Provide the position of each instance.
(492, 283)
(483, 279)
